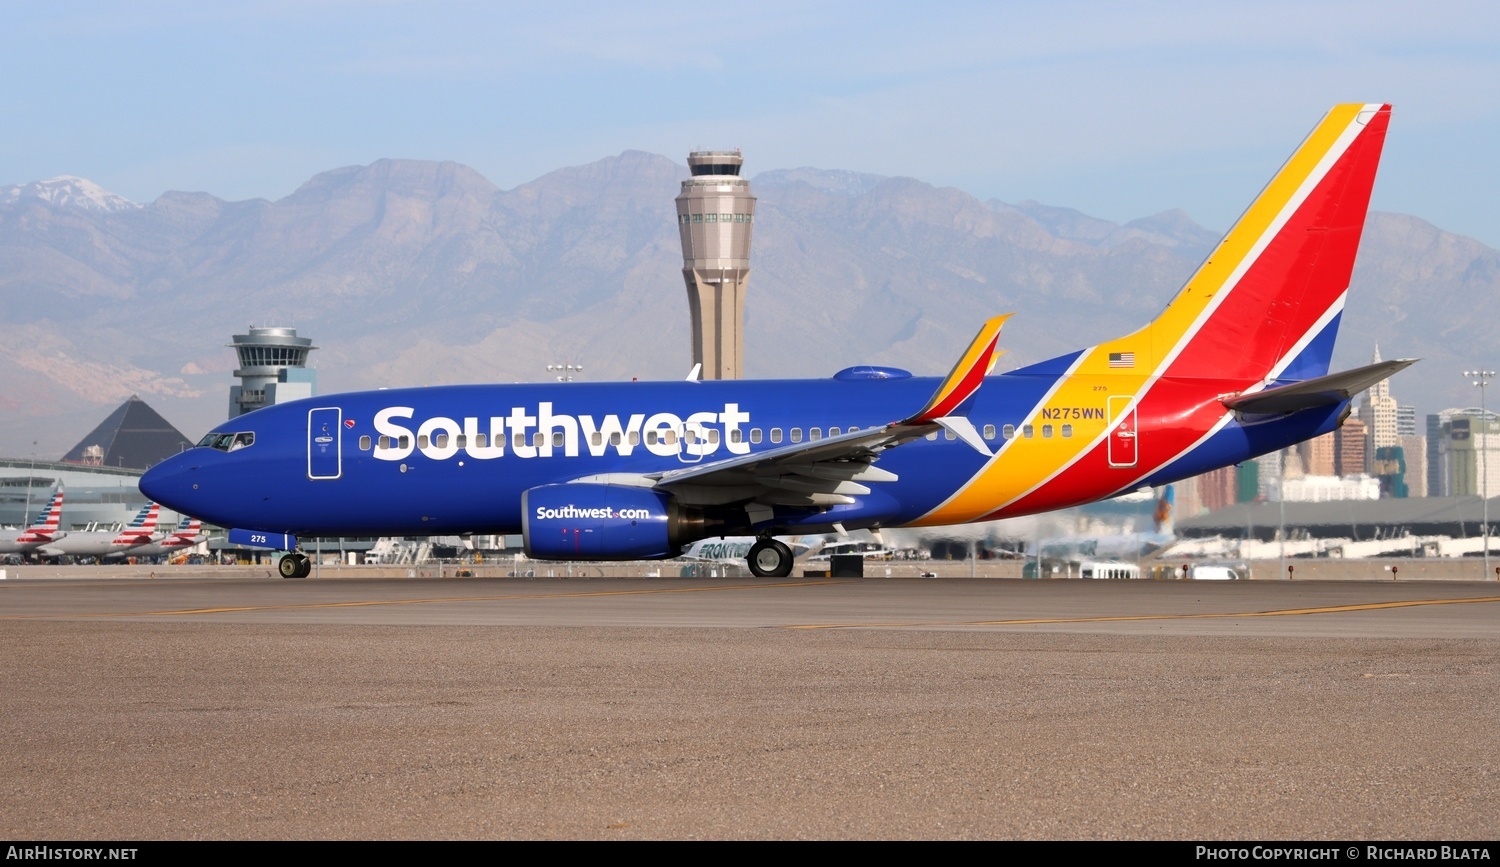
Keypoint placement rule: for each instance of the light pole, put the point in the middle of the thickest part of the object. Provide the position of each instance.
(1481, 379)
(565, 371)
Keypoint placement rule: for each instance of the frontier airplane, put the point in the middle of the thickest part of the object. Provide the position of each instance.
(1236, 366)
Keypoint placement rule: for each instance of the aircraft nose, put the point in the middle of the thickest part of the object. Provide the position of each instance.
(171, 483)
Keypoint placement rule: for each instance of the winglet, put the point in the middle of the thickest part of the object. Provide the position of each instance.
(966, 376)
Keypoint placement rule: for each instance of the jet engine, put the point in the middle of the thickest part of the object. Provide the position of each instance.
(605, 522)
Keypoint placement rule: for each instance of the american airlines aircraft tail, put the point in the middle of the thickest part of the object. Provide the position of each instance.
(1235, 366)
(45, 529)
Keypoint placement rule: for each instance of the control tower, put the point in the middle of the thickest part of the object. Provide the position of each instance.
(273, 369)
(715, 213)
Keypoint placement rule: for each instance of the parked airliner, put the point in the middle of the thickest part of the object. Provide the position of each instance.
(104, 543)
(178, 540)
(1235, 366)
(46, 529)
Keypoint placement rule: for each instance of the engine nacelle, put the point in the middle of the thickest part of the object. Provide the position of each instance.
(600, 522)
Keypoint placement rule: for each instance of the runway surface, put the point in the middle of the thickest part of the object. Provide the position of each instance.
(749, 708)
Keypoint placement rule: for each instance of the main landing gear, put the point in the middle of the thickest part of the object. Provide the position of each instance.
(770, 559)
(294, 564)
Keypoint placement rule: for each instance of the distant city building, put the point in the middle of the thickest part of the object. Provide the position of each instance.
(1349, 448)
(133, 437)
(1406, 421)
(273, 369)
(1468, 444)
(1437, 486)
(1379, 412)
(715, 213)
(1389, 467)
(1318, 455)
(1414, 449)
(93, 496)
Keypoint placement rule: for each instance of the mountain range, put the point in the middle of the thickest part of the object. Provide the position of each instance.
(410, 272)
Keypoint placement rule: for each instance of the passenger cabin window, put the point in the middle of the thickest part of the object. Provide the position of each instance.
(1067, 431)
(1046, 431)
(775, 434)
(932, 436)
(614, 438)
(1026, 431)
(796, 434)
(833, 431)
(989, 431)
(538, 439)
(735, 436)
(755, 435)
(814, 434)
(422, 441)
(384, 442)
(519, 440)
(557, 439)
(948, 434)
(1009, 431)
(364, 443)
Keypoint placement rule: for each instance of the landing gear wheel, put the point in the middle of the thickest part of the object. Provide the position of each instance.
(294, 565)
(770, 559)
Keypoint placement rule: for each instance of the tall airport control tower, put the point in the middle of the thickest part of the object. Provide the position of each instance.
(715, 213)
(273, 369)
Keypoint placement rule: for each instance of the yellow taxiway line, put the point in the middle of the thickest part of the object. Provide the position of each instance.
(1125, 618)
(308, 606)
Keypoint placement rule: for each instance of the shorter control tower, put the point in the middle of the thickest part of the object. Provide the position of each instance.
(715, 213)
(273, 369)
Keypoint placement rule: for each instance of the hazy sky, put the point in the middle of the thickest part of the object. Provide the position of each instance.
(1119, 110)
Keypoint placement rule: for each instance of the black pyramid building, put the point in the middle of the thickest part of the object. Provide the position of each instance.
(134, 436)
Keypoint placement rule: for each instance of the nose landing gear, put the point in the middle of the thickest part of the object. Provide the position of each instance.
(294, 565)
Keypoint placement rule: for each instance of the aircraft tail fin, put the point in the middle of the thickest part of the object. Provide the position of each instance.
(51, 520)
(1266, 303)
(1162, 517)
(145, 519)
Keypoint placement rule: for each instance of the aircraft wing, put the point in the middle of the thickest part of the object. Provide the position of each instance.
(831, 471)
(1320, 391)
(823, 472)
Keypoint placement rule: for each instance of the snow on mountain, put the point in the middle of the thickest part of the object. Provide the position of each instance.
(66, 191)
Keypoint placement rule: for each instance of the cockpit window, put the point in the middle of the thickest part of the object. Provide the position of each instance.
(227, 442)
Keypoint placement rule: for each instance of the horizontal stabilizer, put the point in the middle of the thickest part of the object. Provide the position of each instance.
(1322, 391)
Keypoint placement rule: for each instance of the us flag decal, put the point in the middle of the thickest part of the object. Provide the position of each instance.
(1122, 359)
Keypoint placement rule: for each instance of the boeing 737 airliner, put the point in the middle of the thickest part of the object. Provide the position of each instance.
(1236, 366)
